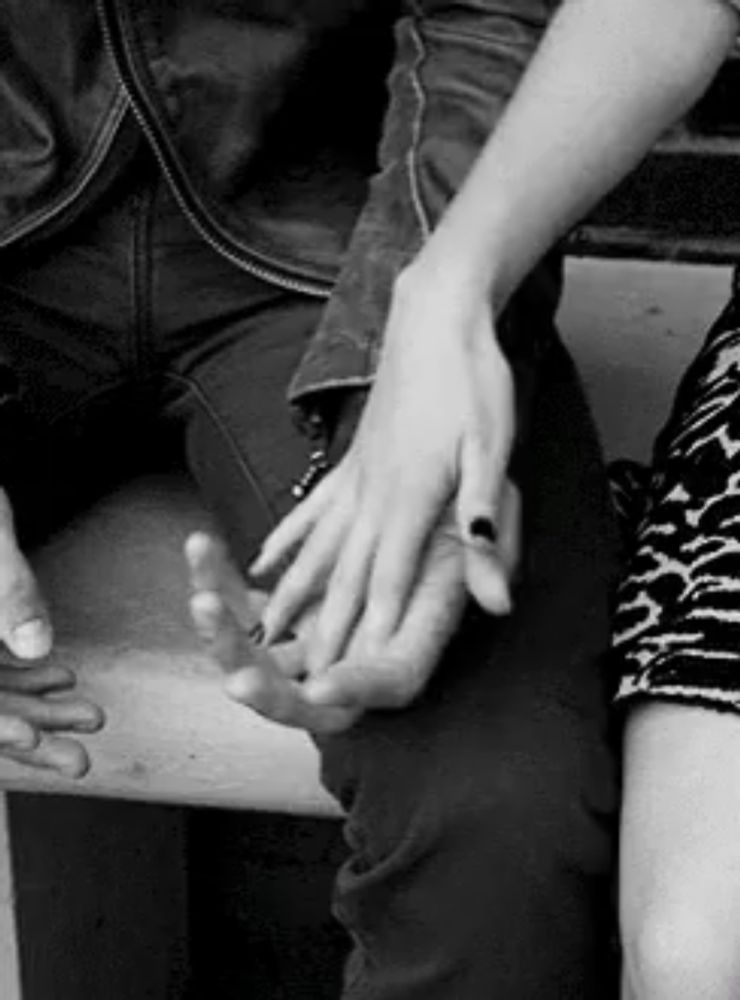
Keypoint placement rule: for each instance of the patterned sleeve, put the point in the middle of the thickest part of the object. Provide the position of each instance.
(678, 614)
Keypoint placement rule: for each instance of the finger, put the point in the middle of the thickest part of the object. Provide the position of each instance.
(24, 620)
(295, 527)
(280, 700)
(343, 600)
(489, 569)
(230, 646)
(391, 674)
(306, 577)
(510, 534)
(399, 557)
(217, 629)
(384, 683)
(487, 581)
(46, 679)
(54, 753)
(483, 460)
(17, 734)
(54, 714)
(213, 570)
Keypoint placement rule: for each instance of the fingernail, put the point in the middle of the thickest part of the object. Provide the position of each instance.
(31, 639)
(91, 721)
(483, 527)
(256, 634)
(25, 739)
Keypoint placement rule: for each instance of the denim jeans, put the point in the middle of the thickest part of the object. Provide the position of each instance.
(481, 820)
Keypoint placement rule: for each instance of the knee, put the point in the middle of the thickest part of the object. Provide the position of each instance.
(538, 819)
(682, 950)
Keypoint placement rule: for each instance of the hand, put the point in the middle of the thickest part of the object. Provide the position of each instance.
(31, 710)
(436, 432)
(274, 681)
(225, 613)
(393, 674)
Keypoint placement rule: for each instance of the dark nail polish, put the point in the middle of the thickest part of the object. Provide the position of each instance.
(483, 527)
(256, 634)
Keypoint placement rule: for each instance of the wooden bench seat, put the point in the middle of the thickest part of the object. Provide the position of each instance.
(117, 588)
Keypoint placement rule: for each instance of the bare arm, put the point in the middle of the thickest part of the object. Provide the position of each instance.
(609, 77)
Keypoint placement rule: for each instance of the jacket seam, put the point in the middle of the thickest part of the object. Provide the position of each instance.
(417, 125)
(135, 77)
(365, 381)
(91, 162)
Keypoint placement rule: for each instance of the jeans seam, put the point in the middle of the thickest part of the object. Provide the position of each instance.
(79, 404)
(141, 264)
(417, 124)
(243, 464)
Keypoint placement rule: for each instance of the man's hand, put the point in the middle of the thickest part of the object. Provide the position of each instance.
(274, 680)
(226, 614)
(32, 712)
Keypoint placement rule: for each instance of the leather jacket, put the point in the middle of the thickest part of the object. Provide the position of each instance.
(314, 143)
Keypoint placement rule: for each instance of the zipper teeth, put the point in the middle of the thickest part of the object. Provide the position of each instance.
(36, 222)
(220, 246)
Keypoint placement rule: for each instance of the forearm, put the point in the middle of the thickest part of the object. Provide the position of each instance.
(609, 77)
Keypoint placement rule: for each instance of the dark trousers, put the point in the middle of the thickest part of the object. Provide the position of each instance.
(480, 821)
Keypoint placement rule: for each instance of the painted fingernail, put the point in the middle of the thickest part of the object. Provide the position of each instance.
(483, 527)
(256, 634)
(31, 639)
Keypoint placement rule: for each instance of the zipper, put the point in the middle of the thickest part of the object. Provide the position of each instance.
(104, 143)
(208, 230)
(318, 466)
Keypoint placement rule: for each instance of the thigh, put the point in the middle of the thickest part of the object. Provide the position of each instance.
(228, 388)
(65, 382)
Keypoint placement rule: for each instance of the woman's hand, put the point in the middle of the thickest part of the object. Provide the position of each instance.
(436, 432)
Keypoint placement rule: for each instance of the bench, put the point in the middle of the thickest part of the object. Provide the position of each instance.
(117, 587)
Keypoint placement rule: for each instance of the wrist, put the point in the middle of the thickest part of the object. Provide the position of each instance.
(454, 276)
(467, 268)
(441, 307)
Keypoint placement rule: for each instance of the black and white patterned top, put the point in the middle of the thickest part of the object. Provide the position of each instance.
(678, 615)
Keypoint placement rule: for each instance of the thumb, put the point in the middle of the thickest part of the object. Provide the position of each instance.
(382, 684)
(24, 620)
